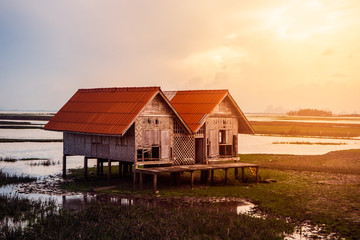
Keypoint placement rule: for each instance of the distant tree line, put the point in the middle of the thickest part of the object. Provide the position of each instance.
(310, 112)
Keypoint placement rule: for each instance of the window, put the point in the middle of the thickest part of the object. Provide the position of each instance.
(222, 137)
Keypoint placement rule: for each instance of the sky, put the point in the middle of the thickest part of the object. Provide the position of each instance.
(271, 54)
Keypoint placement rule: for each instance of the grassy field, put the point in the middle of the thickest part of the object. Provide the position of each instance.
(323, 190)
(288, 128)
(110, 221)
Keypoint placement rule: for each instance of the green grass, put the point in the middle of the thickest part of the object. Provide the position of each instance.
(103, 220)
(6, 178)
(324, 189)
(48, 162)
(338, 130)
(12, 159)
(19, 209)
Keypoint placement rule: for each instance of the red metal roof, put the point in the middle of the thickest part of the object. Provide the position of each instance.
(102, 110)
(194, 106)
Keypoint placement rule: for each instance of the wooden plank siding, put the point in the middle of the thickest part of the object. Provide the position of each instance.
(224, 117)
(101, 146)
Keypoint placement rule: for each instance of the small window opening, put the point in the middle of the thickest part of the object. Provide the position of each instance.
(222, 136)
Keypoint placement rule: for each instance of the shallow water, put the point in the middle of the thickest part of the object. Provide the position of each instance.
(29, 134)
(249, 144)
(45, 191)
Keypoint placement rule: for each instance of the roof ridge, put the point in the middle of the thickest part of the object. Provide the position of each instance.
(120, 89)
(202, 91)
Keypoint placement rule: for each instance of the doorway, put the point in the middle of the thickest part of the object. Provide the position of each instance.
(199, 150)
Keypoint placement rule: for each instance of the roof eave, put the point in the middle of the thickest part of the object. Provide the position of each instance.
(176, 113)
(252, 131)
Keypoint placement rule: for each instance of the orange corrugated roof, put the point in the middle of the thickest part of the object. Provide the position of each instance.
(194, 105)
(102, 110)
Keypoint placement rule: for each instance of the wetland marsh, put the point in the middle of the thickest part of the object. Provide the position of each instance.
(315, 186)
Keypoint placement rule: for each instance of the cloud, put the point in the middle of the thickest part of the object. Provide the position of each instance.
(328, 52)
(53, 48)
(337, 75)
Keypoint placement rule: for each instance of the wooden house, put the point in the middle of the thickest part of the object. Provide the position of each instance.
(215, 120)
(145, 126)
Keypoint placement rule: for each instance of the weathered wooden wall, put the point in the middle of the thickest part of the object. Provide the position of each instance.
(223, 117)
(154, 126)
(98, 146)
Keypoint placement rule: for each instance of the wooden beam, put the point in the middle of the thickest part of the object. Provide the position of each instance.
(85, 167)
(141, 180)
(155, 182)
(226, 175)
(97, 167)
(192, 179)
(120, 168)
(101, 167)
(64, 167)
(134, 178)
(242, 174)
(109, 170)
(212, 176)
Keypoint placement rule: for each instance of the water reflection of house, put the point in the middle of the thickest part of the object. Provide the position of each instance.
(147, 127)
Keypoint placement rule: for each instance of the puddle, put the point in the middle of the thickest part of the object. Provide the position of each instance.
(307, 232)
(247, 208)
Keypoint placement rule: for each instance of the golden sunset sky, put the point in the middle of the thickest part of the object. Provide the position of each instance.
(287, 54)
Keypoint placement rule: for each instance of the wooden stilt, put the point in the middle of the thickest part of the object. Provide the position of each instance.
(134, 178)
(97, 167)
(175, 178)
(236, 173)
(242, 174)
(102, 167)
(64, 167)
(141, 180)
(212, 177)
(109, 171)
(120, 168)
(257, 174)
(155, 182)
(124, 168)
(226, 175)
(192, 179)
(204, 176)
(85, 168)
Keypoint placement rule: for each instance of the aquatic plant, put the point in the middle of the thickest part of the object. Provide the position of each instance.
(7, 178)
(111, 221)
(48, 162)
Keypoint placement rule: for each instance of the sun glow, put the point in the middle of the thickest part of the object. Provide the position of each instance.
(301, 20)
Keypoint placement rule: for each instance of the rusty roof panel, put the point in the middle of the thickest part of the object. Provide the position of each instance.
(101, 110)
(195, 104)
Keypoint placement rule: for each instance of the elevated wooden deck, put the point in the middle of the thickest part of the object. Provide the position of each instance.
(192, 168)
